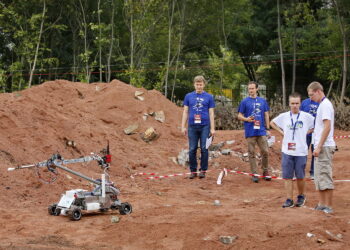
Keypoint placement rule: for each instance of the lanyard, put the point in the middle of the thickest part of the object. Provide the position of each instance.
(294, 124)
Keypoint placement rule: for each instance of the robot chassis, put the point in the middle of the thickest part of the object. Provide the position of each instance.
(102, 198)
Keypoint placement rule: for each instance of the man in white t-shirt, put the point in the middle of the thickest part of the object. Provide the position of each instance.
(294, 125)
(324, 147)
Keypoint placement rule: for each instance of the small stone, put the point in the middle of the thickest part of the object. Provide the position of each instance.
(217, 203)
(340, 236)
(310, 235)
(183, 158)
(159, 193)
(138, 93)
(230, 142)
(215, 147)
(141, 98)
(115, 219)
(321, 241)
(69, 177)
(149, 135)
(131, 129)
(173, 159)
(160, 116)
(226, 151)
(227, 239)
(200, 202)
(245, 155)
(145, 116)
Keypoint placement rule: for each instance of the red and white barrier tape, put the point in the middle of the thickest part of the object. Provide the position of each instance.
(224, 172)
(165, 176)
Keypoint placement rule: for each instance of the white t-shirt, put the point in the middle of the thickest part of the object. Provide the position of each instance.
(325, 111)
(302, 122)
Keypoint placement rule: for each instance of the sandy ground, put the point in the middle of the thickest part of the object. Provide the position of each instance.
(168, 213)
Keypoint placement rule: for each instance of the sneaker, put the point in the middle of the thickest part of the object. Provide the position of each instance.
(201, 175)
(301, 200)
(319, 207)
(312, 177)
(255, 179)
(193, 175)
(288, 203)
(328, 210)
(267, 176)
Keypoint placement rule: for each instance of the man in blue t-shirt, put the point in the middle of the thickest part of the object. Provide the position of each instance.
(199, 112)
(310, 107)
(254, 111)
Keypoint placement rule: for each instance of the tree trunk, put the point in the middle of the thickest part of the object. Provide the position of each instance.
(179, 48)
(345, 59)
(170, 16)
(86, 55)
(225, 44)
(99, 38)
(281, 55)
(37, 46)
(110, 46)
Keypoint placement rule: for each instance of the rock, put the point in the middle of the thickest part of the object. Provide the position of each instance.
(145, 116)
(131, 129)
(215, 147)
(226, 151)
(115, 219)
(214, 154)
(245, 155)
(321, 241)
(227, 239)
(340, 236)
(333, 237)
(230, 142)
(200, 202)
(138, 95)
(217, 203)
(149, 135)
(173, 159)
(310, 235)
(160, 116)
(183, 158)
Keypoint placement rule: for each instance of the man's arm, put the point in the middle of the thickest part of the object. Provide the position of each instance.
(245, 119)
(267, 123)
(275, 127)
(184, 119)
(324, 135)
(212, 121)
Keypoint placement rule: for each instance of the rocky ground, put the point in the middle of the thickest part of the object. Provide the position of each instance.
(168, 213)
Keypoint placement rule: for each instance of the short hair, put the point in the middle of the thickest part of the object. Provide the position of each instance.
(315, 86)
(199, 79)
(295, 95)
(253, 82)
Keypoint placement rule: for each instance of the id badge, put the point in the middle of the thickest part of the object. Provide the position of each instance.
(197, 119)
(256, 124)
(292, 146)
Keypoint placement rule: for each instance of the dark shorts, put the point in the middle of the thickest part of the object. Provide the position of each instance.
(293, 166)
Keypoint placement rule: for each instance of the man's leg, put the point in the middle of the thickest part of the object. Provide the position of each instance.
(251, 154)
(264, 149)
(204, 151)
(193, 137)
(287, 175)
(312, 162)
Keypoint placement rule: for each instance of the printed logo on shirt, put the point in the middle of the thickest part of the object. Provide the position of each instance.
(199, 104)
(299, 124)
(257, 109)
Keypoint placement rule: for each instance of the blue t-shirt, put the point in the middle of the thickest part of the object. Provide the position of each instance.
(254, 107)
(199, 105)
(310, 107)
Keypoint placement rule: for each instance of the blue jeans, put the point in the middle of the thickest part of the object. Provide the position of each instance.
(308, 142)
(198, 133)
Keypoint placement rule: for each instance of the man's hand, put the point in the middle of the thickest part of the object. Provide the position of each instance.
(212, 131)
(316, 152)
(250, 119)
(184, 130)
(268, 134)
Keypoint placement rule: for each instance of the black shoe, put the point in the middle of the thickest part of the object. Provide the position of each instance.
(255, 179)
(301, 200)
(201, 175)
(288, 203)
(193, 175)
(267, 176)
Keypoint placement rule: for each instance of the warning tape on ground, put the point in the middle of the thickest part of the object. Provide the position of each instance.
(224, 173)
(156, 176)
